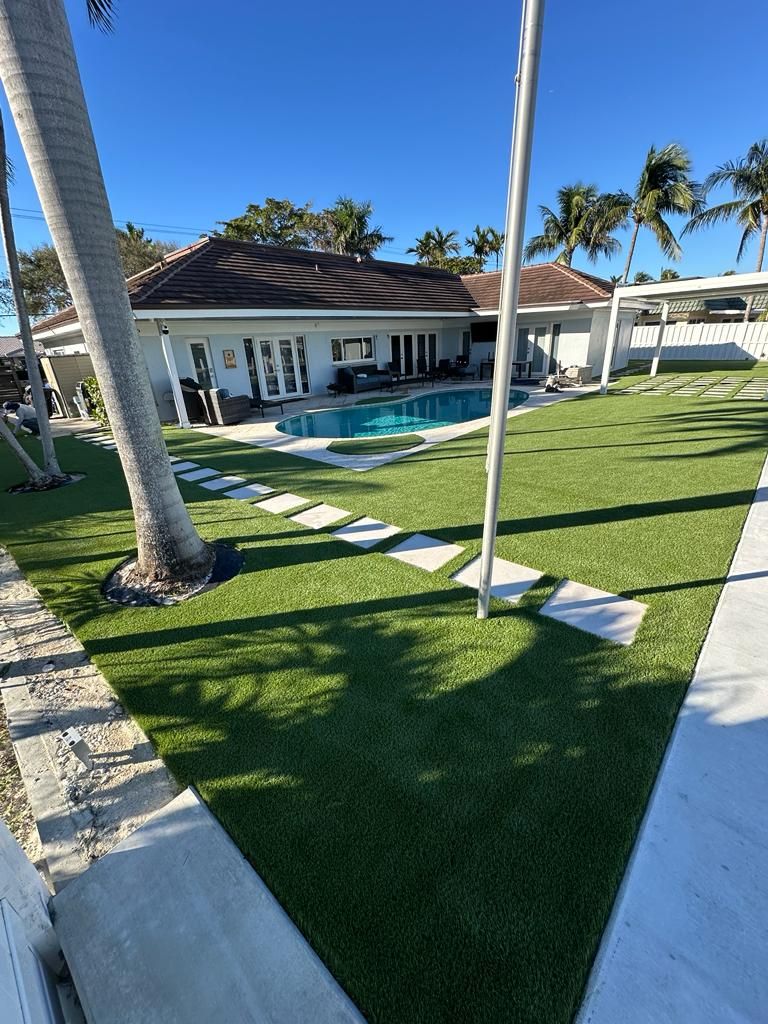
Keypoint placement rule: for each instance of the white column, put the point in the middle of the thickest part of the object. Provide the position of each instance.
(660, 339)
(517, 196)
(610, 341)
(173, 373)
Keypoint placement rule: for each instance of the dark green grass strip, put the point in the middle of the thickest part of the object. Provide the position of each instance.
(382, 400)
(444, 806)
(375, 445)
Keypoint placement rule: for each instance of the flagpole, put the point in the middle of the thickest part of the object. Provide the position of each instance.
(517, 196)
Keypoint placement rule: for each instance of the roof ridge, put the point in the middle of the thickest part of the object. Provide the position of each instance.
(194, 251)
(582, 276)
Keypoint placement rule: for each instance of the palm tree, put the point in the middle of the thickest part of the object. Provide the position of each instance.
(642, 278)
(668, 274)
(748, 178)
(579, 223)
(495, 244)
(350, 230)
(42, 83)
(435, 247)
(50, 462)
(36, 477)
(479, 242)
(664, 187)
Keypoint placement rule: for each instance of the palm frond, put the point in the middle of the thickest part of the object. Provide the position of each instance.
(713, 215)
(749, 232)
(101, 14)
(540, 245)
(668, 244)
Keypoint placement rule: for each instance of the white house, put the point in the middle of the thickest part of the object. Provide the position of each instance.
(278, 323)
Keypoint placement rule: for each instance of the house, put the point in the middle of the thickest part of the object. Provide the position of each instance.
(279, 323)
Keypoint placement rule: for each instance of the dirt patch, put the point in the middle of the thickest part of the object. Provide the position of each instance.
(14, 805)
(127, 782)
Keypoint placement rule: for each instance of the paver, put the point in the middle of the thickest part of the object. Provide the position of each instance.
(200, 474)
(319, 516)
(181, 467)
(595, 611)
(366, 532)
(223, 481)
(281, 503)
(509, 581)
(249, 491)
(425, 552)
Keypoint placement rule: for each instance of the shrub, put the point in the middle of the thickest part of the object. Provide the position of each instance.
(92, 395)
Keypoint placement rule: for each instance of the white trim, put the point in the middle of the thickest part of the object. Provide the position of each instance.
(206, 342)
(295, 314)
(732, 284)
(57, 332)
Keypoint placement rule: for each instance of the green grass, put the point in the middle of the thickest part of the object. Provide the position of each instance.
(375, 445)
(380, 401)
(444, 806)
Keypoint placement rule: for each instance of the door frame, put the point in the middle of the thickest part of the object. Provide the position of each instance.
(206, 342)
(274, 339)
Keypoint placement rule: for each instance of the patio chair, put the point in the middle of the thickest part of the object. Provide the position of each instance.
(444, 369)
(224, 409)
(423, 371)
(462, 369)
(395, 371)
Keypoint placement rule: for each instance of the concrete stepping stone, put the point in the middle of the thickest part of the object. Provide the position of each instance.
(200, 474)
(174, 458)
(319, 516)
(281, 503)
(366, 532)
(425, 552)
(223, 481)
(509, 581)
(249, 491)
(181, 467)
(595, 611)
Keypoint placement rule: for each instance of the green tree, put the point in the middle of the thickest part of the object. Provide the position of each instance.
(663, 188)
(276, 222)
(748, 178)
(434, 247)
(348, 230)
(39, 72)
(495, 244)
(642, 278)
(668, 274)
(137, 251)
(462, 264)
(480, 244)
(582, 221)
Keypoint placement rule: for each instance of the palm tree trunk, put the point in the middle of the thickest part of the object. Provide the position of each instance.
(630, 253)
(50, 461)
(759, 267)
(35, 474)
(42, 83)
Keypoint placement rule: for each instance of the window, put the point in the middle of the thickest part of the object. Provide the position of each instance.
(351, 350)
(466, 343)
(553, 363)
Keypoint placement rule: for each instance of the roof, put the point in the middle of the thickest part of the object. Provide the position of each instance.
(11, 347)
(542, 284)
(723, 304)
(217, 273)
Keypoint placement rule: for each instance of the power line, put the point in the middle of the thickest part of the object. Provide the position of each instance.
(25, 213)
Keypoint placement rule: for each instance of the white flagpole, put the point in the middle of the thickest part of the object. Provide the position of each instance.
(517, 197)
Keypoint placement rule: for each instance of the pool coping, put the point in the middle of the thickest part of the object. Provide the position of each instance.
(316, 448)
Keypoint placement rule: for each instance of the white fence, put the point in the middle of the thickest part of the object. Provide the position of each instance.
(702, 341)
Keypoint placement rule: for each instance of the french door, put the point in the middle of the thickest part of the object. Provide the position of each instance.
(408, 349)
(534, 343)
(202, 363)
(277, 366)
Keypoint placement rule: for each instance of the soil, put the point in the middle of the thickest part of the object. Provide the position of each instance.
(14, 805)
(125, 586)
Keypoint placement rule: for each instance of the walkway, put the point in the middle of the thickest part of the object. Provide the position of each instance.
(688, 937)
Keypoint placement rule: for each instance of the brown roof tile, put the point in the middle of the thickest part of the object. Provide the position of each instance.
(542, 284)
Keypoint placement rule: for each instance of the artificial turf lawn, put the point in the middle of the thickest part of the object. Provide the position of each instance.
(375, 445)
(444, 806)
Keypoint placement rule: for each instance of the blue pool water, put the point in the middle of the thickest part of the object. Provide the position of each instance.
(440, 409)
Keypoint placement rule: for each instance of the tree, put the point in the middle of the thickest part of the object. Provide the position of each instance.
(664, 187)
(462, 264)
(277, 222)
(668, 274)
(50, 462)
(435, 247)
(35, 475)
(42, 83)
(137, 252)
(582, 221)
(748, 179)
(495, 244)
(642, 278)
(479, 242)
(349, 231)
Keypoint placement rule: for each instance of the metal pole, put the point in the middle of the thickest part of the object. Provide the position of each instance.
(173, 373)
(610, 341)
(660, 338)
(532, 24)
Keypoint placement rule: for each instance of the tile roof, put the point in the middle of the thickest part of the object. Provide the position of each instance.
(216, 273)
(11, 347)
(542, 284)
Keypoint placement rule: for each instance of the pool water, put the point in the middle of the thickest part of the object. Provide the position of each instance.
(440, 409)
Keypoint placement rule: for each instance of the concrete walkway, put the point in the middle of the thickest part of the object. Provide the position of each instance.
(688, 937)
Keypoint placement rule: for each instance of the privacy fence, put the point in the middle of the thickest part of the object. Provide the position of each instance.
(702, 341)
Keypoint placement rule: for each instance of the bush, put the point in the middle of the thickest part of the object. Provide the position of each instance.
(94, 401)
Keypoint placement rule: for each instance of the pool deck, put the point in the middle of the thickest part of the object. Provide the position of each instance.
(262, 432)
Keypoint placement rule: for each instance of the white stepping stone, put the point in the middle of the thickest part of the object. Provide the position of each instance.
(249, 491)
(595, 611)
(281, 503)
(425, 552)
(509, 581)
(366, 532)
(223, 481)
(200, 474)
(174, 458)
(181, 467)
(319, 516)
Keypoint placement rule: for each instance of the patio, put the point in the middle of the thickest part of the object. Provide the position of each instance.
(444, 806)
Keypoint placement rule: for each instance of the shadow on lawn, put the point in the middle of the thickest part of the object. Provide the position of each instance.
(448, 829)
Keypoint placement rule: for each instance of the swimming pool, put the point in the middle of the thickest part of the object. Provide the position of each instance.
(440, 409)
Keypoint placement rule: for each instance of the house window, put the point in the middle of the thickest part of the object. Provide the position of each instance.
(553, 361)
(351, 350)
(466, 343)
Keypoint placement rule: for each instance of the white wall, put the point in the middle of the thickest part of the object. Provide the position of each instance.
(703, 341)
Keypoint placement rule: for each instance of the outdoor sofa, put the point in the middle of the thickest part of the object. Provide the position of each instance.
(365, 377)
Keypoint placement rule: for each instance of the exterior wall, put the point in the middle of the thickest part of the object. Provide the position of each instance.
(572, 345)
(599, 336)
(703, 341)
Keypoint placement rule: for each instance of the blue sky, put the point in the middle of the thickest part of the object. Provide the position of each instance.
(200, 108)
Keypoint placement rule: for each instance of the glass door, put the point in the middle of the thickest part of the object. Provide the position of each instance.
(253, 371)
(269, 368)
(539, 349)
(288, 365)
(282, 371)
(202, 363)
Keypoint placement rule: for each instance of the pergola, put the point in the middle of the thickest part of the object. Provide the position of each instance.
(663, 292)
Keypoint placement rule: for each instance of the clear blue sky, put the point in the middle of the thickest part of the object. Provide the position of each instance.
(199, 108)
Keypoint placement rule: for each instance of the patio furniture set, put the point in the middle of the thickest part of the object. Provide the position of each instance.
(368, 376)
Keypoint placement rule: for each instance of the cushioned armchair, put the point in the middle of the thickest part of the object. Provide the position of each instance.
(223, 408)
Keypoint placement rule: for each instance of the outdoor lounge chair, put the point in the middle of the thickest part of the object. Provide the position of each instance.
(223, 408)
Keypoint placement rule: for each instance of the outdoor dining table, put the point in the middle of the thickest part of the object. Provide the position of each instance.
(518, 365)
